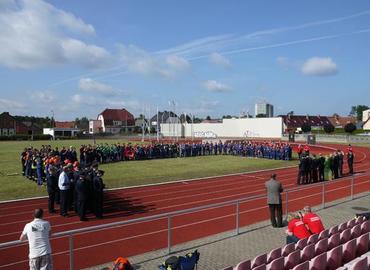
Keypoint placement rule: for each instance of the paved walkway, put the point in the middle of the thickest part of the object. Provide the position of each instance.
(226, 249)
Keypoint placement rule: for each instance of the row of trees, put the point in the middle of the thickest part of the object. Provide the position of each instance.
(328, 128)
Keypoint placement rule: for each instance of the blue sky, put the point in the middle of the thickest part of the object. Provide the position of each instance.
(76, 58)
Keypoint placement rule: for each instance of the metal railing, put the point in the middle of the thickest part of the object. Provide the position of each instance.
(169, 216)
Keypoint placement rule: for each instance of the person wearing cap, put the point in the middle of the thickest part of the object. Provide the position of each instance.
(64, 186)
(81, 196)
(296, 229)
(37, 232)
(98, 188)
(274, 189)
(312, 221)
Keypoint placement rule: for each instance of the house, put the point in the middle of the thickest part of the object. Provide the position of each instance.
(340, 121)
(64, 124)
(95, 126)
(295, 122)
(8, 124)
(165, 117)
(366, 120)
(28, 128)
(113, 121)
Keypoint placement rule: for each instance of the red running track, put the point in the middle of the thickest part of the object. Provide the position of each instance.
(98, 247)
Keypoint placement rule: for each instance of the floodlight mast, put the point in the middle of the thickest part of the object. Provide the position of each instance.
(157, 125)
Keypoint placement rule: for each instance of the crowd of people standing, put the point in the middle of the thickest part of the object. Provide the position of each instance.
(317, 168)
(105, 153)
(73, 185)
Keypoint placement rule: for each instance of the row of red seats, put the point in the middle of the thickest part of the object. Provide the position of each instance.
(336, 246)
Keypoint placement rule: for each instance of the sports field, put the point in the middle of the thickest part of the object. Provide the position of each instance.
(121, 174)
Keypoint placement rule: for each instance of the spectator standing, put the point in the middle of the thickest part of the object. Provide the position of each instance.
(38, 232)
(274, 189)
(312, 221)
(64, 185)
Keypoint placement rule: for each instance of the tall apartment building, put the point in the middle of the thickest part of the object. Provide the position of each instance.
(264, 109)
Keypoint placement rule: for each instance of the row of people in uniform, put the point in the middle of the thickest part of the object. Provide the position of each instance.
(34, 161)
(313, 168)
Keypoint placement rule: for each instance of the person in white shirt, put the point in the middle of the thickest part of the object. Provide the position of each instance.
(64, 185)
(38, 232)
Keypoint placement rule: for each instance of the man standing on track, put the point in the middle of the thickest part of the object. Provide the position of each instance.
(38, 232)
(274, 189)
(64, 185)
(350, 158)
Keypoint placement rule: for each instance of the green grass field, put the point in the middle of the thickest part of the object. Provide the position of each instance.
(120, 174)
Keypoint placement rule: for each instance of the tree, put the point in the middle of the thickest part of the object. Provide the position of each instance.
(329, 128)
(208, 117)
(227, 116)
(349, 128)
(184, 119)
(357, 111)
(82, 123)
(306, 128)
(261, 115)
(197, 120)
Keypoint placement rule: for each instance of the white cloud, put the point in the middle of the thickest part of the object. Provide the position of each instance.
(215, 86)
(43, 96)
(142, 62)
(177, 62)
(34, 33)
(91, 101)
(10, 105)
(319, 66)
(90, 85)
(219, 60)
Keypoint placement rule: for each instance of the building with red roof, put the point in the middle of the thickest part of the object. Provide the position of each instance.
(65, 124)
(113, 121)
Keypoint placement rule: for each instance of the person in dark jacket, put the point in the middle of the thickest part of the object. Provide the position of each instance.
(274, 189)
(81, 194)
(52, 187)
(314, 168)
(321, 167)
(98, 187)
(350, 159)
(335, 165)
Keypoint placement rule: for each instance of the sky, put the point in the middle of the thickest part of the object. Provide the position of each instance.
(75, 58)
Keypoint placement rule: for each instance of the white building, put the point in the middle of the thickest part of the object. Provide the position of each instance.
(366, 119)
(61, 132)
(228, 128)
(264, 109)
(95, 126)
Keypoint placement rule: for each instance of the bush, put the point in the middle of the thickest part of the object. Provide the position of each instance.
(42, 137)
(350, 127)
(14, 138)
(306, 128)
(329, 128)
